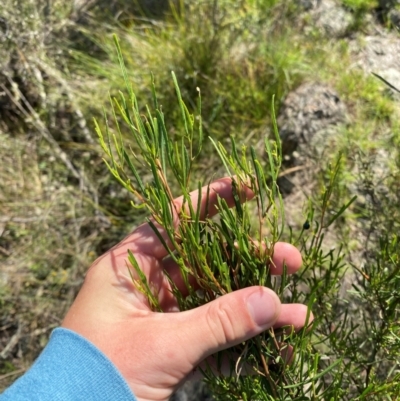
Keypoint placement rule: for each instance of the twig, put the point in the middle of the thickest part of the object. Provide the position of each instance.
(267, 375)
(42, 129)
(13, 373)
(386, 82)
(64, 84)
(43, 330)
(292, 170)
(8, 219)
(12, 343)
(4, 251)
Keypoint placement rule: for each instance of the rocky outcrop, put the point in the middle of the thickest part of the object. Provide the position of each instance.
(309, 117)
(309, 121)
(379, 54)
(329, 16)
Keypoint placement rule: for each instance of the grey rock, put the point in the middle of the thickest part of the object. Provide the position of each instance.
(307, 119)
(379, 54)
(192, 391)
(328, 16)
(394, 18)
(307, 5)
(373, 171)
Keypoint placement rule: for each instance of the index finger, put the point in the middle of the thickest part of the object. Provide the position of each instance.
(145, 240)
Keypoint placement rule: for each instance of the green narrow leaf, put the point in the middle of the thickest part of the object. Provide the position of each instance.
(274, 174)
(101, 138)
(181, 104)
(185, 163)
(153, 91)
(162, 240)
(122, 65)
(259, 177)
(200, 123)
(166, 143)
(153, 299)
(316, 377)
(386, 82)
(135, 173)
(276, 130)
(222, 156)
(236, 156)
(342, 210)
(198, 210)
(236, 199)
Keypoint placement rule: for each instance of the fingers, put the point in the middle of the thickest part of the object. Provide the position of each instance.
(234, 318)
(293, 315)
(144, 240)
(221, 188)
(229, 320)
(284, 254)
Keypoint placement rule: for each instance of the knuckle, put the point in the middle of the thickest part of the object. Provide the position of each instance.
(222, 323)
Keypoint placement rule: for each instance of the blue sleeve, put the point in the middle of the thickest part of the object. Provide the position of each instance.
(70, 368)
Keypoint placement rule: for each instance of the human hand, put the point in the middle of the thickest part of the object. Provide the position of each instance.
(155, 352)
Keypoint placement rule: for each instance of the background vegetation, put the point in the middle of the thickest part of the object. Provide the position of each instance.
(60, 208)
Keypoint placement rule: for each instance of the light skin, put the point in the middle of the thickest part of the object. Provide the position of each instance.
(157, 352)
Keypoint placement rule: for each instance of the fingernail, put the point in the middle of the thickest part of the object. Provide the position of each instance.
(263, 307)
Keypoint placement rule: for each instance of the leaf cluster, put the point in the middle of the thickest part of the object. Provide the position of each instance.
(224, 254)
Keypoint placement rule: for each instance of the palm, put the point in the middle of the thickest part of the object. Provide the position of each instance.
(155, 352)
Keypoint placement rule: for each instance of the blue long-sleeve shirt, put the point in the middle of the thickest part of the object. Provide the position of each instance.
(70, 368)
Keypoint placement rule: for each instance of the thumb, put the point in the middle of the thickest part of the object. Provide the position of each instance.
(230, 320)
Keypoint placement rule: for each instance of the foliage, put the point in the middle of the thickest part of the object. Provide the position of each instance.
(360, 5)
(237, 45)
(60, 208)
(221, 256)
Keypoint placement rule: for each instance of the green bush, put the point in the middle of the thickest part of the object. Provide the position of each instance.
(60, 208)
